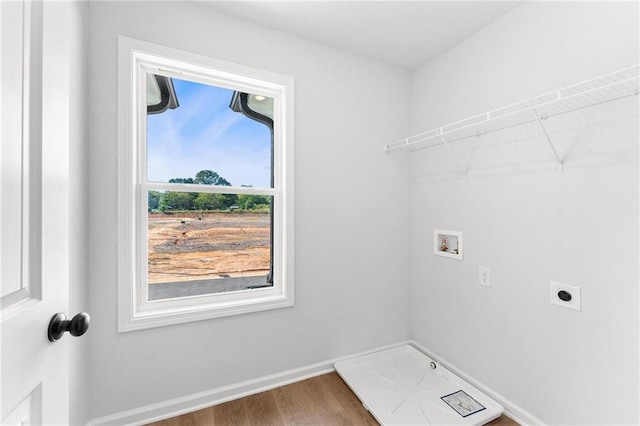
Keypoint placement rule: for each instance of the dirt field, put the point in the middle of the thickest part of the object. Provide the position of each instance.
(186, 246)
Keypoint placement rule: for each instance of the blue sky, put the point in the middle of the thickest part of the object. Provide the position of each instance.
(203, 133)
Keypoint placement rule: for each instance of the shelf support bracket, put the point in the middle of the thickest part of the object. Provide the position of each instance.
(549, 141)
(446, 145)
(470, 158)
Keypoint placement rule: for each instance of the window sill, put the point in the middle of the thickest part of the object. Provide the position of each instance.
(178, 311)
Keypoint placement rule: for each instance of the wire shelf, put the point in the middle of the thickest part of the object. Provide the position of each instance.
(617, 85)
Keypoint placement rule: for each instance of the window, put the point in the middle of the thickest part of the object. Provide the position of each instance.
(205, 188)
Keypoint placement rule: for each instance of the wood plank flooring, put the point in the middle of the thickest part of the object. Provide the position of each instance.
(321, 400)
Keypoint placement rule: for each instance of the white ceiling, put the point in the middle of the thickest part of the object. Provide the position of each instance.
(406, 34)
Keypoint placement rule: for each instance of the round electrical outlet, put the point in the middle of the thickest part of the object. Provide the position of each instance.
(564, 295)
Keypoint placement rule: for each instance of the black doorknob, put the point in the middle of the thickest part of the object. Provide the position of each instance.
(77, 326)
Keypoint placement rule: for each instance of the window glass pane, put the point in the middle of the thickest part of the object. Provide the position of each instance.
(193, 127)
(195, 248)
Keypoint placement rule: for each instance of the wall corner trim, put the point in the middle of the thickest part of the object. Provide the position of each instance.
(186, 404)
(512, 410)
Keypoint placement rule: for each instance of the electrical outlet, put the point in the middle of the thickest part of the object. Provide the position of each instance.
(484, 276)
(566, 295)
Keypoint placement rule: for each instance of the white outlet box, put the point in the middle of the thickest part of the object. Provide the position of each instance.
(561, 292)
(484, 276)
(447, 243)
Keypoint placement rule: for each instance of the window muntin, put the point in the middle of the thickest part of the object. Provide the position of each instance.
(139, 309)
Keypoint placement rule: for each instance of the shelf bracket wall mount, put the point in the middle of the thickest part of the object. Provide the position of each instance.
(451, 155)
(549, 141)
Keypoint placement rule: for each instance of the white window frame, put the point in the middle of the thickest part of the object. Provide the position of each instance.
(135, 312)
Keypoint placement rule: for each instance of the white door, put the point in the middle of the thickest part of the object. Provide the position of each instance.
(34, 207)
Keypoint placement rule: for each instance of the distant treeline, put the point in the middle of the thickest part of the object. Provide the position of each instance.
(174, 200)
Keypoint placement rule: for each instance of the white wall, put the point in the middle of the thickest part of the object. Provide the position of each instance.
(534, 225)
(352, 236)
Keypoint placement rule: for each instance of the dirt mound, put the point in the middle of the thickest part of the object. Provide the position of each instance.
(194, 246)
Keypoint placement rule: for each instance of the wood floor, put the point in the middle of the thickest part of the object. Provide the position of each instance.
(322, 400)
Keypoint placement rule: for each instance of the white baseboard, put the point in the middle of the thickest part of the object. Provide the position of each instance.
(512, 410)
(198, 401)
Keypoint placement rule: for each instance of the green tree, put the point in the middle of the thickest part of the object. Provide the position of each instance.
(205, 201)
(181, 180)
(207, 177)
(154, 198)
(248, 202)
(201, 201)
(178, 201)
(228, 200)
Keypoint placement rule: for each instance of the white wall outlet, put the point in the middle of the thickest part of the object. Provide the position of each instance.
(484, 276)
(566, 295)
